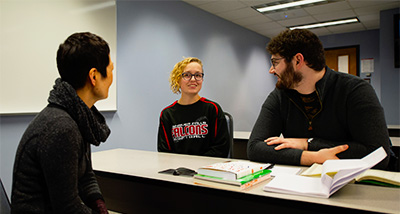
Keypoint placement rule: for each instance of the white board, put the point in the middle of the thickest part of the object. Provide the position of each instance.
(30, 33)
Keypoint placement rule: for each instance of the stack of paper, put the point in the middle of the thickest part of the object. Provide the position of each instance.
(335, 174)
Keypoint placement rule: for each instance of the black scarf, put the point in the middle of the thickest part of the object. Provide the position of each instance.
(91, 123)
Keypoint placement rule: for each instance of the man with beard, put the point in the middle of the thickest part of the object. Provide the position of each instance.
(315, 114)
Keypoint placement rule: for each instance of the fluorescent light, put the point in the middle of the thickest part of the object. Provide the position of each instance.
(287, 5)
(325, 24)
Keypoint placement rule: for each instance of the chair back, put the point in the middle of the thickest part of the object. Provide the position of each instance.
(5, 207)
(229, 121)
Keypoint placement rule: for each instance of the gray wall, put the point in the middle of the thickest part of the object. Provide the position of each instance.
(390, 96)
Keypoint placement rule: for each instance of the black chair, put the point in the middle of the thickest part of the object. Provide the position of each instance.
(394, 132)
(229, 121)
(5, 207)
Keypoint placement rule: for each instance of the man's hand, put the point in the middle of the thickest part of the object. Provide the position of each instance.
(286, 143)
(308, 158)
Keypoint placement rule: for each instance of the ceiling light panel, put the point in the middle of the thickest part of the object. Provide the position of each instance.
(326, 24)
(288, 5)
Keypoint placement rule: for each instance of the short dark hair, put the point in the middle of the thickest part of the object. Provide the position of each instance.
(78, 54)
(290, 42)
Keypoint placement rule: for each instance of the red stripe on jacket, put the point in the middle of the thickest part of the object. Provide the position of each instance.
(216, 110)
(162, 124)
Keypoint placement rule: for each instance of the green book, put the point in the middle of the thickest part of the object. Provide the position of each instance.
(262, 174)
(232, 170)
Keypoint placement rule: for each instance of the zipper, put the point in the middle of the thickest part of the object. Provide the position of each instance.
(309, 121)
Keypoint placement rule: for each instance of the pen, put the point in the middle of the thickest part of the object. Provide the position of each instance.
(270, 166)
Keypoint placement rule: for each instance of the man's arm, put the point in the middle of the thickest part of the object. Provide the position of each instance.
(320, 156)
(268, 124)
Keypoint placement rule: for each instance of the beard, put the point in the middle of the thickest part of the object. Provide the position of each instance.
(288, 79)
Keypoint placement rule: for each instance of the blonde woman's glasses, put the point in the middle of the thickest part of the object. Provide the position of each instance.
(188, 76)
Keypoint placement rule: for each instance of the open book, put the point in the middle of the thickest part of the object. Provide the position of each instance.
(335, 174)
(370, 176)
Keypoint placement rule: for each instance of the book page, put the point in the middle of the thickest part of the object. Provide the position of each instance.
(314, 170)
(299, 185)
(380, 175)
(375, 157)
(331, 167)
(349, 169)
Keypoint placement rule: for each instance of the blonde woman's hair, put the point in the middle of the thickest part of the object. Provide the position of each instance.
(176, 73)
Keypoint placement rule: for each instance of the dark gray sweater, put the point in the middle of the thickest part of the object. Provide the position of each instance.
(52, 169)
(351, 114)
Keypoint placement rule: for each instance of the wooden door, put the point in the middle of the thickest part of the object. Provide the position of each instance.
(347, 58)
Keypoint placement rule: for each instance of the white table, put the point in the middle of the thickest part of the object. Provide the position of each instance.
(130, 182)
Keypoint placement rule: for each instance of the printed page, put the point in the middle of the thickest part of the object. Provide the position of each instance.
(375, 157)
(278, 170)
(298, 185)
(314, 170)
(380, 175)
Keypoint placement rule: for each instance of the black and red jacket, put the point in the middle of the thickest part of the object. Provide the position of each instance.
(196, 129)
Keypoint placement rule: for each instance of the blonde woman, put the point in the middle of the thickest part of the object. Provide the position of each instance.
(193, 124)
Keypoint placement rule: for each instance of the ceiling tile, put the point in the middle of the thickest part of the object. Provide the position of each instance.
(334, 15)
(321, 31)
(328, 8)
(369, 17)
(371, 25)
(265, 26)
(252, 20)
(369, 3)
(298, 21)
(271, 32)
(256, 2)
(347, 28)
(290, 14)
(198, 2)
(239, 14)
(370, 21)
(376, 9)
(222, 6)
